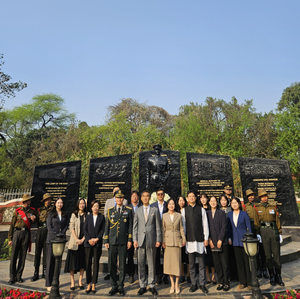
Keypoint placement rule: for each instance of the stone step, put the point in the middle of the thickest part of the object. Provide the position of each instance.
(290, 252)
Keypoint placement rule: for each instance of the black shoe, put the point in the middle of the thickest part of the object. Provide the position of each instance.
(272, 280)
(107, 277)
(11, 281)
(188, 279)
(72, 288)
(214, 282)
(153, 291)
(20, 280)
(142, 291)
(204, 289)
(279, 280)
(182, 279)
(159, 279)
(112, 292)
(131, 279)
(220, 287)
(193, 288)
(166, 279)
(35, 276)
(81, 287)
(259, 273)
(226, 287)
(121, 292)
(208, 282)
(265, 273)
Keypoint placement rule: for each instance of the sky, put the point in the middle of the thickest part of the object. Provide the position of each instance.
(167, 53)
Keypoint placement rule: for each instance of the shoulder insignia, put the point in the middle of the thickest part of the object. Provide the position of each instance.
(32, 208)
(110, 208)
(18, 209)
(39, 209)
(128, 208)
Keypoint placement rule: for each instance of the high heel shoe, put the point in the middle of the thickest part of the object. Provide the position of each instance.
(93, 290)
(72, 288)
(177, 291)
(88, 290)
(171, 291)
(81, 287)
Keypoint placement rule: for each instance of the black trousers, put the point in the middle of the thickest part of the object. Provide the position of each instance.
(114, 252)
(130, 262)
(20, 243)
(243, 268)
(90, 254)
(221, 264)
(40, 244)
(158, 265)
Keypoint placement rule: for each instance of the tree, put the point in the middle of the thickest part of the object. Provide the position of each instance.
(290, 97)
(8, 89)
(288, 128)
(140, 114)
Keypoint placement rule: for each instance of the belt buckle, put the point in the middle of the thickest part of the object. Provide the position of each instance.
(22, 228)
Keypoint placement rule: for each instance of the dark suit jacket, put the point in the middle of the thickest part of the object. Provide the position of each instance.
(94, 232)
(55, 226)
(217, 227)
(155, 205)
(236, 233)
(131, 206)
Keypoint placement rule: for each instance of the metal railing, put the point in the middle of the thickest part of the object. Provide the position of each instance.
(9, 194)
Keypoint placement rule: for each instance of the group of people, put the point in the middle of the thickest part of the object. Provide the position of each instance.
(181, 231)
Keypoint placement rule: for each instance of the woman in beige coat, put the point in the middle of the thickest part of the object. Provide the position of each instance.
(76, 255)
(173, 240)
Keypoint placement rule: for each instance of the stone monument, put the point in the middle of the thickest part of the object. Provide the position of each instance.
(60, 180)
(107, 173)
(160, 169)
(209, 173)
(275, 177)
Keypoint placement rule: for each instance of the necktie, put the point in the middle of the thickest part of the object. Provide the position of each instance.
(119, 211)
(146, 214)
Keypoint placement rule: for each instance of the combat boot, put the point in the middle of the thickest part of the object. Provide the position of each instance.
(265, 273)
(44, 272)
(278, 277)
(272, 277)
(35, 275)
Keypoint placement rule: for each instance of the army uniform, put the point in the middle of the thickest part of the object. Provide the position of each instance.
(19, 234)
(118, 231)
(40, 241)
(251, 210)
(270, 231)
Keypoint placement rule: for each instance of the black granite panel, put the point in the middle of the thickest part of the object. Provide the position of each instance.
(209, 173)
(172, 185)
(107, 173)
(60, 180)
(275, 177)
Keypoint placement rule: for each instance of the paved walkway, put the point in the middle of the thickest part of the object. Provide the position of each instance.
(290, 274)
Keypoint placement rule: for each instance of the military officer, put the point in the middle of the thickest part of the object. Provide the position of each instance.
(270, 229)
(228, 193)
(118, 238)
(250, 208)
(19, 237)
(41, 236)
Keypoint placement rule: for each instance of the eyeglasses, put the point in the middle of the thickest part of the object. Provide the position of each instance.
(159, 194)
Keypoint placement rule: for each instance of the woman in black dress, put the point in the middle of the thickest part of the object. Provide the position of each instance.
(218, 243)
(76, 254)
(93, 231)
(181, 203)
(209, 263)
(57, 223)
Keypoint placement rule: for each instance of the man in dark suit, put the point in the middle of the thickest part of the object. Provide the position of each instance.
(161, 205)
(118, 238)
(147, 238)
(135, 203)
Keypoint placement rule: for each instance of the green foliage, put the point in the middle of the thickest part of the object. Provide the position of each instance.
(5, 251)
